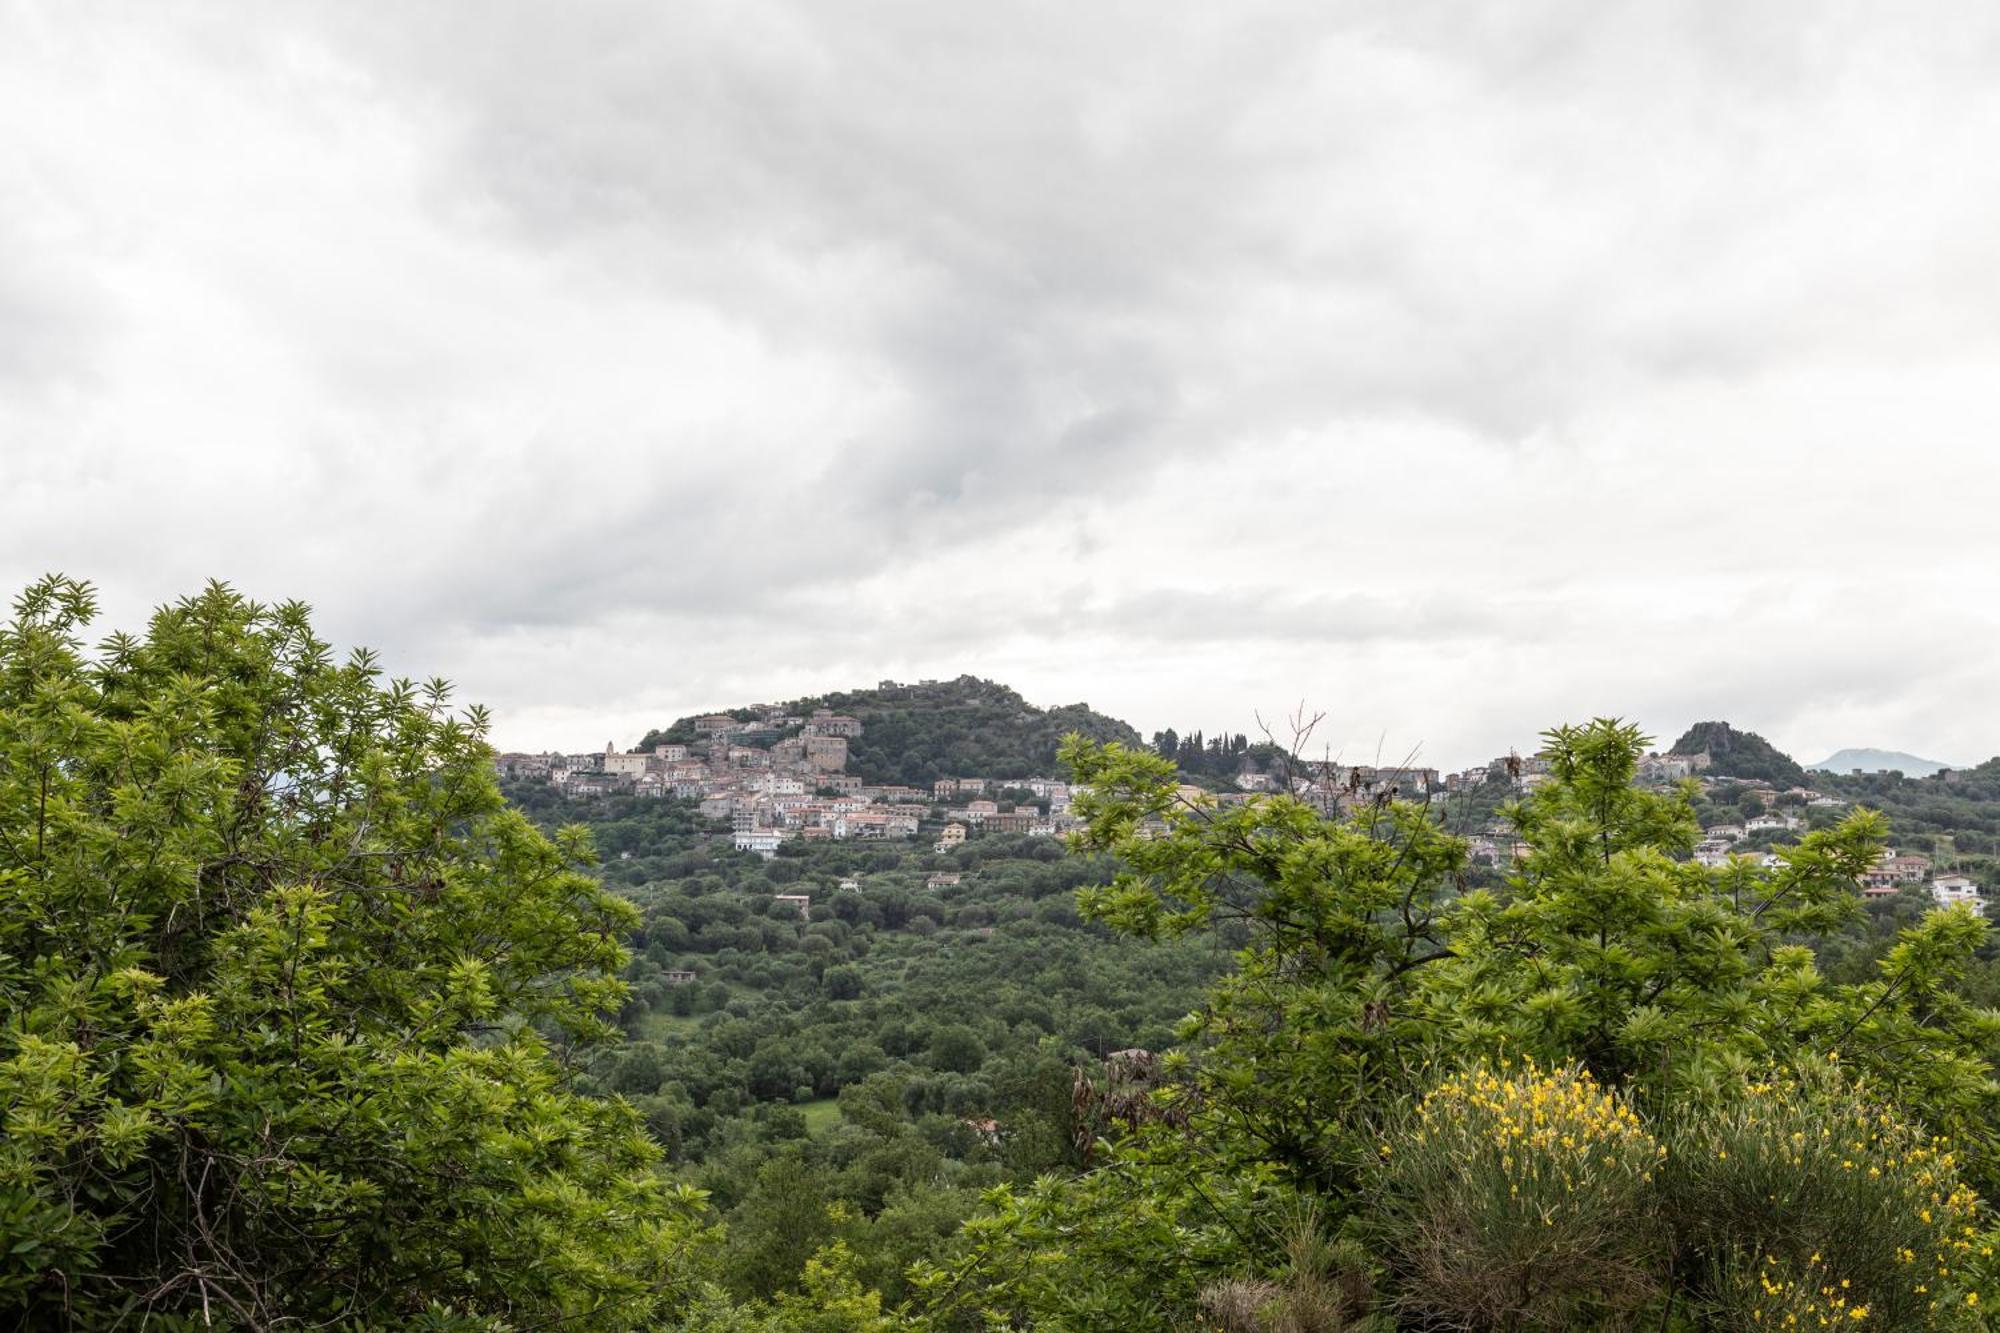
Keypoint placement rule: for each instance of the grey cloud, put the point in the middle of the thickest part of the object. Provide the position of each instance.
(1027, 268)
(1056, 213)
(52, 319)
(1250, 614)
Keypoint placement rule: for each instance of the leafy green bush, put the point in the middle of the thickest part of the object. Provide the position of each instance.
(1520, 1198)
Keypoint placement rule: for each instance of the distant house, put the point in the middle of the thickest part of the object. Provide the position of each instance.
(1670, 767)
(517, 765)
(825, 722)
(677, 977)
(623, 765)
(801, 901)
(587, 784)
(826, 753)
(1907, 868)
(1713, 851)
(953, 836)
(764, 842)
(943, 879)
(1954, 890)
(1768, 822)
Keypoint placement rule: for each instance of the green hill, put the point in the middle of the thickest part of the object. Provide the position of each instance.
(1740, 754)
(966, 727)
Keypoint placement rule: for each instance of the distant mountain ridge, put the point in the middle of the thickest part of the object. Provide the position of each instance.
(967, 727)
(1880, 761)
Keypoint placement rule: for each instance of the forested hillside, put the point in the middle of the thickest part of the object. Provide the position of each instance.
(862, 1070)
(1961, 806)
(1954, 813)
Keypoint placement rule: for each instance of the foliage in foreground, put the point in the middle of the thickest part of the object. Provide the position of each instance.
(1805, 1195)
(285, 998)
(290, 1005)
(1658, 990)
(1520, 1198)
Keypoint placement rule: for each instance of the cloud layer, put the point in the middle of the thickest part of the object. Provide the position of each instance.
(1458, 373)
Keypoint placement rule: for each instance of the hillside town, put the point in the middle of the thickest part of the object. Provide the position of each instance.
(776, 776)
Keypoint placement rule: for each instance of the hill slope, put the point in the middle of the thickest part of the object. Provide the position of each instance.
(1740, 754)
(966, 727)
(1879, 761)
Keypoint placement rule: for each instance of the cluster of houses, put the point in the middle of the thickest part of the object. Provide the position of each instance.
(1335, 788)
(777, 776)
(1890, 875)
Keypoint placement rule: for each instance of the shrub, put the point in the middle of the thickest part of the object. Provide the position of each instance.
(1322, 1288)
(1518, 1198)
(1805, 1195)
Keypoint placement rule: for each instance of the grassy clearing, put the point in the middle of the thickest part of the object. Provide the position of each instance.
(820, 1113)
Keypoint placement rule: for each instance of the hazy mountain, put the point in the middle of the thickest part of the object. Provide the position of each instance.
(1880, 761)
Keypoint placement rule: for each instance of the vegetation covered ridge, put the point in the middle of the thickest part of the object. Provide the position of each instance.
(914, 734)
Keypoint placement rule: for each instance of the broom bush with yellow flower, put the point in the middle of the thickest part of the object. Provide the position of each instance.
(1515, 1197)
(1806, 1200)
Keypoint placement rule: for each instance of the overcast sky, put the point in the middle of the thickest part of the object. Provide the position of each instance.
(1456, 369)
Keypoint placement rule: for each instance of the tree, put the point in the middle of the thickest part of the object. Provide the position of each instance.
(288, 997)
(957, 1049)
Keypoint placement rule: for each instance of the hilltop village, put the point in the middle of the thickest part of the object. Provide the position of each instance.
(776, 775)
